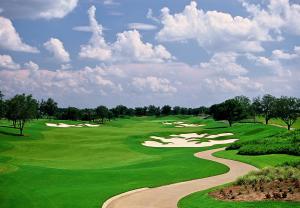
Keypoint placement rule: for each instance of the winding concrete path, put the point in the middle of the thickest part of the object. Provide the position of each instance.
(168, 196)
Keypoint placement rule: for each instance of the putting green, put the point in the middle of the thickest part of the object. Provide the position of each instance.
(82, 167)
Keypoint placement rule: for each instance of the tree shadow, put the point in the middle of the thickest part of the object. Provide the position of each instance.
(8, 133)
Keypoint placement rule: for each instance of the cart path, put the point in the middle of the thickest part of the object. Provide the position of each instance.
(168, 196)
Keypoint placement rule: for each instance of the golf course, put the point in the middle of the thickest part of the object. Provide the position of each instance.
(84, 167)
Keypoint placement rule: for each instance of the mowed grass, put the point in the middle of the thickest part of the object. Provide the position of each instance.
(82, 167)
(278, 121)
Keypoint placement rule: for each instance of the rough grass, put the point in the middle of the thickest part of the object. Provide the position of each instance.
(270, 174)
(286, 143)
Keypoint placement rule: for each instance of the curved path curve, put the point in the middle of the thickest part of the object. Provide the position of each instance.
(168, 196)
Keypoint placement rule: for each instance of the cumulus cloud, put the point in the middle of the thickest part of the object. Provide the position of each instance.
(10, 39)
(154, 84)
(141, 26)
(46, 9)
(97, 48)
(225, 63)
(56, 47)
(6, 62)
(280, 15)
(212, 30)
(66, 82)
(31, 66)
(128, 46)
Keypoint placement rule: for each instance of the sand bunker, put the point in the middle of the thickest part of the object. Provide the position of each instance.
(180, 124)
(188, 140)
(63, 125)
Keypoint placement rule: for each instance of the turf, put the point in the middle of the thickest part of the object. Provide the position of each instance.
(82, 167)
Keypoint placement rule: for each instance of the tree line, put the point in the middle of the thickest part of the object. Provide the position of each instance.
(22, 108)
(268, 106)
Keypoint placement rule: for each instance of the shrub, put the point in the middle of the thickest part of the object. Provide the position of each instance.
(287, 143)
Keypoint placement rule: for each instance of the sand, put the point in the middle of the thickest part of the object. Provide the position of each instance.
(187, 140)
(63, 125)
(181, 124)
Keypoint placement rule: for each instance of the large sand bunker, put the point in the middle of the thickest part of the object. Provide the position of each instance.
(63, 125)
(181, 124)
(188, 140)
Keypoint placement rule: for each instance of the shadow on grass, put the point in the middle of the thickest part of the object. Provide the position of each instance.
(9, 133)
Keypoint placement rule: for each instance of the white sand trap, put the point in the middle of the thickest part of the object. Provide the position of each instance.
(181, 124)
(63, 125)
(219, 135)
(187, 140)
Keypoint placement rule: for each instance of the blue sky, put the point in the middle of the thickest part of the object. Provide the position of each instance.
(189, 53)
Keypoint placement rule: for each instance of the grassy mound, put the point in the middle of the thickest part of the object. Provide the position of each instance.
(286, 143)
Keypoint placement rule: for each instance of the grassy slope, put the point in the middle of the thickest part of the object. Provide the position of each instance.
(202, 199)
(278, 121)
(82, 167)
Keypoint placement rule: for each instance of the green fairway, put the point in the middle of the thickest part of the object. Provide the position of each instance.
(82, 167)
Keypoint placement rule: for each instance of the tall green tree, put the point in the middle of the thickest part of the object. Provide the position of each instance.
(231, 110)
(268, 107)
(21, 109)
(102, 112)
(288, 109)
(256, 108)
(2, 105)
(166, 110)
(48, 108)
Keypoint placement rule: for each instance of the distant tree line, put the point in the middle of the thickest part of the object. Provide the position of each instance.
(241, 107)
(22, 108)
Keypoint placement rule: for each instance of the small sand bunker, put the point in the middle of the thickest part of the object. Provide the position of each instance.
(181, 124)
(63, 125)
(188, 140)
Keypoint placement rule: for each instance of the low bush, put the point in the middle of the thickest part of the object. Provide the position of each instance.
(270, 174)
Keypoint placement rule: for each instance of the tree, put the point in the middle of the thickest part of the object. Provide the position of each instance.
(288, 109)
(110, 115)
(231, 110)
(166, 110)
(2, 106)
(256, 107)
(102, 112)
(140, 111)
(268, 107)
(21, 109)
(152, 110)
(176, 110)
(48, 107)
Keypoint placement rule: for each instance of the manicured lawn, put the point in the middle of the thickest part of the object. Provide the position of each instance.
(278, 121)
(82, 167)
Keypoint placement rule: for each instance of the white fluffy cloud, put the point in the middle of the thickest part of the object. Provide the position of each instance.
(6, 62)
(225, 63)
(212, 30)
(56, 47)
(128, 46)
(219, 31)
(280, 15)
(154, 84)
(10, 39)
(31, 66)
(46, 9)
(44, 82)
